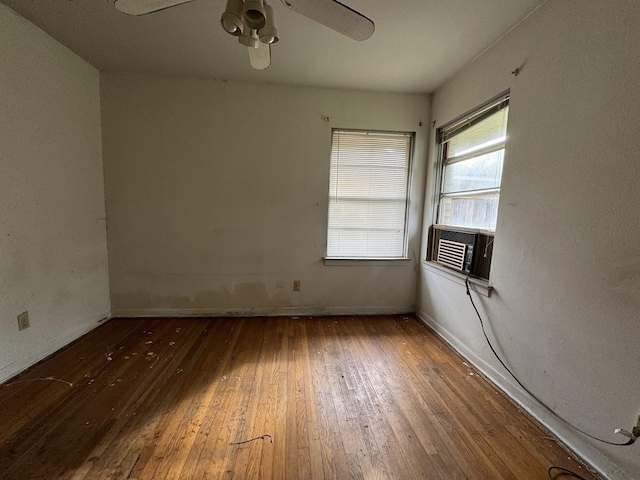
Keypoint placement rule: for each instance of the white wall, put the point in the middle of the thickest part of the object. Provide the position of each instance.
(566, 308)
(53, 252)
(217, 197)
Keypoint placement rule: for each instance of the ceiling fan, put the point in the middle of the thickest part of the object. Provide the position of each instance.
(253, 21)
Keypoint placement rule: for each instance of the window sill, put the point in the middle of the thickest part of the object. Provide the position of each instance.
(367, 262)
(479, 286)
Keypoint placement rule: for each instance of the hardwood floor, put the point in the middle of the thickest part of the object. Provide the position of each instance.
(265, 398)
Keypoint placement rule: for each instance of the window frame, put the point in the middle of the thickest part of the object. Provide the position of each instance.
(450, 130)
(378, 260)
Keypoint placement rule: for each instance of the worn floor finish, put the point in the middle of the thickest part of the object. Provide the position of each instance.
(330, 398)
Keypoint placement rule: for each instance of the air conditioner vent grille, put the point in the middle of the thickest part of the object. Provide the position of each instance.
(451, 254)
(477, 256)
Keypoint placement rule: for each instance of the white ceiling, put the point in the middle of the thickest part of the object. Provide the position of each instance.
(417, 45)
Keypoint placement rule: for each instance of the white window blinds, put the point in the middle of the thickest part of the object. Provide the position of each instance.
(368, 192)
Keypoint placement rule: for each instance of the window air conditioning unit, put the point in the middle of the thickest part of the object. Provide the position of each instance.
(464, 250)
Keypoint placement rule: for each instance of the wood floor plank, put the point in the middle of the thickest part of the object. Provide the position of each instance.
(331, 446)
(381, 428)
(371, 397)
(418, 449)
(417, 417)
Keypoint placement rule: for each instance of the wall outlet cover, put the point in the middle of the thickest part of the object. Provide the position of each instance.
(23, 321)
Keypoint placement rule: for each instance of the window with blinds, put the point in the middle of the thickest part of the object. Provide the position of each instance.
(472, 152)
(368, 194)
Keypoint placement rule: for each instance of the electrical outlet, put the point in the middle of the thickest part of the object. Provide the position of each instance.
(23, 321)
(296, 285)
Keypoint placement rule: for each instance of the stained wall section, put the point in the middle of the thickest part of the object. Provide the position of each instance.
(53, 245)
(217, 197)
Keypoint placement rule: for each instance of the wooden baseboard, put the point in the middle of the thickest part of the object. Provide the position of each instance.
(259, 312)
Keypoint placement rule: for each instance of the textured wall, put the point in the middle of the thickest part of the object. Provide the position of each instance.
(53, 247)
(217, 197)
(566, 264)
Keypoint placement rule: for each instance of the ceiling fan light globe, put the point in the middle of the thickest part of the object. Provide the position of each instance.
(254, 19)
(260, 58)
(268, 39)
(232, 25)
(231, 19)
(269, 34)
(254, 14)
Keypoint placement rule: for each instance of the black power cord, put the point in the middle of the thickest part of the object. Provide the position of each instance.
(562, 470)
(631, 440)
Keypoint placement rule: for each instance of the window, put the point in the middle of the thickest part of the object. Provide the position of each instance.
(472, 155)
(368, 194)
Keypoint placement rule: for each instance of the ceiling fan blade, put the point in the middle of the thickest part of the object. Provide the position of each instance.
(142, 7)
(334, 15)
(260, 58)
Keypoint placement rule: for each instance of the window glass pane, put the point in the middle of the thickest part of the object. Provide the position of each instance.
(472, 211)
(475, 173)
(490, 131)
(368, 191)
(473, 158)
